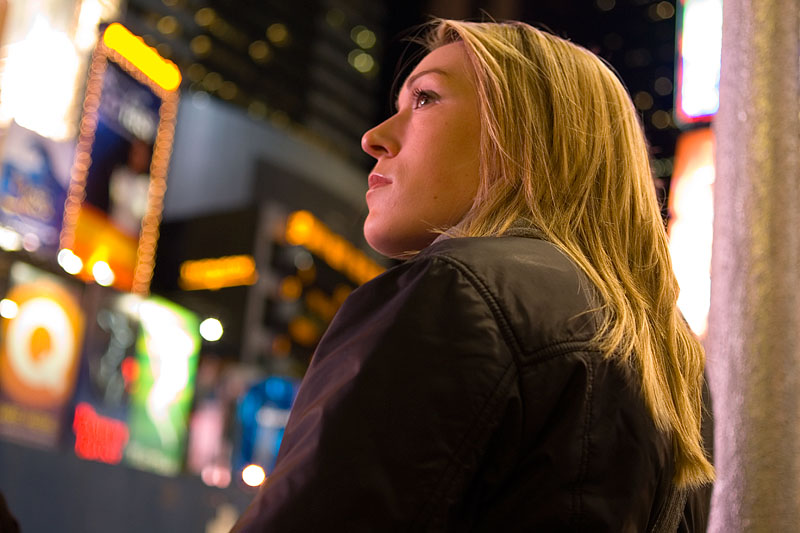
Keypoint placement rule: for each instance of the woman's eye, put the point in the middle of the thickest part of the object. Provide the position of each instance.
(422, 98)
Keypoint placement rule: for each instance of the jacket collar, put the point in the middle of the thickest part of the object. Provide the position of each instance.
(518, 228)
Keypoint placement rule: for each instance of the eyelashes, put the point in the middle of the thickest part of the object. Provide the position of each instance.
(421, 98)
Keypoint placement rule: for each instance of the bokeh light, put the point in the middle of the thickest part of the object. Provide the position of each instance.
(70, 262)
(211, 329)
(253, 475)
(8, 308)
(102, 273)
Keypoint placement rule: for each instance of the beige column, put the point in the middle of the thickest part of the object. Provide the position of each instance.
(754, 323)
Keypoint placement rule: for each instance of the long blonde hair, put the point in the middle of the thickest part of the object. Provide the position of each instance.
(563, 149)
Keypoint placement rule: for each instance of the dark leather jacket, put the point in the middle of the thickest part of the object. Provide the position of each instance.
(458, 392)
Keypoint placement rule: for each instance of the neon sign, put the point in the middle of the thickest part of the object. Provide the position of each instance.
(698, 65)
(304, 229)
(216, 273)
(691, 206)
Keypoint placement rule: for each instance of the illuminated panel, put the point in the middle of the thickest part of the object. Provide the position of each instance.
(162, 77)
(40, 344)
(42, 335)
(167, 351)
(691, 208)
(303, 229)
(216, 273)
(698, 65)
(133, 48)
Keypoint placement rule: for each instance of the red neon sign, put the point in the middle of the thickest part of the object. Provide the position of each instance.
(97, 437)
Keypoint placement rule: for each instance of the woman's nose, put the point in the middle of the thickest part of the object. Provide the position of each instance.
(379, 141)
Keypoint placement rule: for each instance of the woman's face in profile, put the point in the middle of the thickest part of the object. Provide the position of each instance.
(427, 169)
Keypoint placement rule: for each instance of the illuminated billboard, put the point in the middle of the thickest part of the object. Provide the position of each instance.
(691, 207)
(167, 351)
(698, 65)
(45, 49)
(41, 335)
(115, 197)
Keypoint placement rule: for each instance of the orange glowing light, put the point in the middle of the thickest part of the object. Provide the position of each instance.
(219, 272)
(299, 227)
(304, 331)
(291, 288)
(146, 59)
(303, 229)
(97, 239)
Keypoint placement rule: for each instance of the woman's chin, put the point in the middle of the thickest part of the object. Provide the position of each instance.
(391, 244)
(381, 244)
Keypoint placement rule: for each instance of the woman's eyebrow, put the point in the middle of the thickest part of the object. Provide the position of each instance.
(412, 78)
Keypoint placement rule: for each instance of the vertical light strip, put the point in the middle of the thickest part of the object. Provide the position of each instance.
(148, 238)
(83, 158)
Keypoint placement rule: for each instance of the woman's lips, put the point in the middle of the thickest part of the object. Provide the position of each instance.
(377, 180)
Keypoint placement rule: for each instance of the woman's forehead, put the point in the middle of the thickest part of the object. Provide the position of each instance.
(450, 58)
(448, 61)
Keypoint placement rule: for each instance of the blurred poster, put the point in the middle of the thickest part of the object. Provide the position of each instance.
(167, 349)
(119, 176)
(108, 374)
(34, 174)
(40, 345)
(262, 415)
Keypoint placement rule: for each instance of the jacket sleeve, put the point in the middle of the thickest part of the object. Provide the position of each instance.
(396, 408)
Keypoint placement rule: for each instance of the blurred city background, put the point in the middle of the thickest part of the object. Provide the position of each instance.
(181, 200)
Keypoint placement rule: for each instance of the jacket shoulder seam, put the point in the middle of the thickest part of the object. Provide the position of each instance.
(492, 302)
(557, 349)
(577, 498)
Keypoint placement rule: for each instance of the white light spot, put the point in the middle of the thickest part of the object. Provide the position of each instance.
(211, 329)
(8, 308)
(10, 240)
(70, 262)
(102, 273)
(253, 475)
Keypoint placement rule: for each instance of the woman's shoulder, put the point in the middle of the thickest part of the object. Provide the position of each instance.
(542, 294)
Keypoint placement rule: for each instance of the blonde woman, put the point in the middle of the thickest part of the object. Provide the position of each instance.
(526, 368)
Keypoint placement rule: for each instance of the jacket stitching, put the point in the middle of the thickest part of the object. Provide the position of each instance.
(451, 472)
(557, 349)
(494, 305)
(471, 435)
(577, 498)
